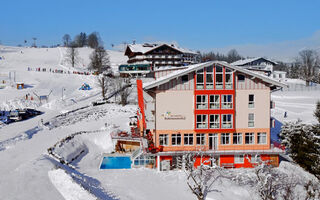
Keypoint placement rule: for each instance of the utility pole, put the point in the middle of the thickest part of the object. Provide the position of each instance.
(34, 41)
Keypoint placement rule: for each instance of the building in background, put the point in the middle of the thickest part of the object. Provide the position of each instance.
(214, 107)
(279, 75)
(262, 66)
(162, 54)
(259, 64)
(148, 57)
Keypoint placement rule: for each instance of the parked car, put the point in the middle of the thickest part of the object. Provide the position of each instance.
(14, 115)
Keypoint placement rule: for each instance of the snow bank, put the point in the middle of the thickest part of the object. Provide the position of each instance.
(67, 187)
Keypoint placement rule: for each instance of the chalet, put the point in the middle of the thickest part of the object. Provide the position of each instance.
(218, 108)
(160, 55)
(258, 64)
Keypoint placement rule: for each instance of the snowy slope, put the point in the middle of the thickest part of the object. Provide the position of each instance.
(18, 59)
(298, 104)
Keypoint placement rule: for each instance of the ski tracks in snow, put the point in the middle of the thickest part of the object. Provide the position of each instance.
(23, 136)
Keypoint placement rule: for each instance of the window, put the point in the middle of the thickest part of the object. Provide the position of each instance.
(228, 79)
(184, 79)
(238, 159)
(176, 139)
(249, 139)
(226, 101)
(214, 121)
(237, 138)
(188, 139)
(227, 121)
(202, 121)
(201, 140)
(144, 160)
(202, 102)
(262, 138)
(209, 77)
(200, 79)
(251, 101)
(225, 138)
(214, 101)
(251, 120)
(163, 139)
(219, 78)
(241, 78)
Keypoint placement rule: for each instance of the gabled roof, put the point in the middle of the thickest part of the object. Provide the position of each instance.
(199, 66)
(144, 48)
(249, 60)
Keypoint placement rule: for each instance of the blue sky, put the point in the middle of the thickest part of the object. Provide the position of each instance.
(199, 25)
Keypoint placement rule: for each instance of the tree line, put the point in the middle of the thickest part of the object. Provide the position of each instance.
(231, 56)
(92, 40)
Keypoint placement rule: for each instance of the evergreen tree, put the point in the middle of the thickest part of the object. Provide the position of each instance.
(303, 145)
(81, 40)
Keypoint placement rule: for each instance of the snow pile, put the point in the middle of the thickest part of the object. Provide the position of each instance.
(71, 149)
(67, 187)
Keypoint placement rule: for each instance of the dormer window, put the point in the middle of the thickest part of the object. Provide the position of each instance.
(219, 77)
(200, 79)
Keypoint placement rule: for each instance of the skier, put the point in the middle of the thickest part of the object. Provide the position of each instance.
(285, 114)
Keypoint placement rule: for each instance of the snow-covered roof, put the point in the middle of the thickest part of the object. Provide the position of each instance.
(279, 72)
(249, 60)
(199, 66)
(144, 48)
(164, 68)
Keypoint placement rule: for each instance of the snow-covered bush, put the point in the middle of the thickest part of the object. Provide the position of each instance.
(200, 179)
(302, 144)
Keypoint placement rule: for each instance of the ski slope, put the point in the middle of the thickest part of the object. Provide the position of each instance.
(299, 105)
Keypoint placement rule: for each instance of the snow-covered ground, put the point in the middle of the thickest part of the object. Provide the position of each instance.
(299, 104)
(28, 172)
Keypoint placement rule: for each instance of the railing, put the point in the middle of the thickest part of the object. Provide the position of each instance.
(301, 87)
(136, 153)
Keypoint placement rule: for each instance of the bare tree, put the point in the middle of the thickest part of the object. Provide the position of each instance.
(312, 189)
(288, 189)
(99, 60)
(272, 184)
(233, 56)
(308, 60)
(122, 86)
(72, 55)
(66, 40)
(103, 83)
(200, 180)
(94, 40)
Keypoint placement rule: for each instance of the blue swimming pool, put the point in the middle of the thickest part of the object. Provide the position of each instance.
(116, 162)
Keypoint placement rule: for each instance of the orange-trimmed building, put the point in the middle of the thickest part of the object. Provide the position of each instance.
(214, 107)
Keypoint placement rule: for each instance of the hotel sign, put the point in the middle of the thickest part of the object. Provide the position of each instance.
(170, 116)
